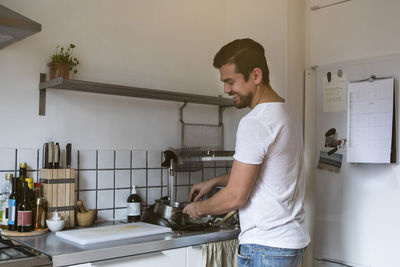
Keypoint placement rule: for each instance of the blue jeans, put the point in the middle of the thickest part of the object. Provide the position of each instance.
(252, 255)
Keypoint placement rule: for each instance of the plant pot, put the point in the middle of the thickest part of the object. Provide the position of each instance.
(59, 69)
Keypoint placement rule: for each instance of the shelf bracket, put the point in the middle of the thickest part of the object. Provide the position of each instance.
(42, 96)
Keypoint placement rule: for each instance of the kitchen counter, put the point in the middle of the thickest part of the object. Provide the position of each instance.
(63, 252)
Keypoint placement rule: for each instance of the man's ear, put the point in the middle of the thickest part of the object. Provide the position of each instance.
(257, 75)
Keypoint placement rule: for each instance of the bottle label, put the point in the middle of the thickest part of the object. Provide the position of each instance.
(24, 218)
(134, 209)
(11, 211)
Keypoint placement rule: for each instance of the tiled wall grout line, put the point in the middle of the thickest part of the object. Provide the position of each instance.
(142, 167)
(115, 154)
(161, 172)
(16, 162)
(97, 176)
(147, 177)
(37, 166)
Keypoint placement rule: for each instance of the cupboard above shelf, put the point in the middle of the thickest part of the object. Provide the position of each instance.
(112, 89)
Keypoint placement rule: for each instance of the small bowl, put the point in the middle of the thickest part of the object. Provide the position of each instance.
(55, 225)
(86, 218)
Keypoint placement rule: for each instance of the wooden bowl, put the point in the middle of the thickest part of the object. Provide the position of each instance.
(86, 218)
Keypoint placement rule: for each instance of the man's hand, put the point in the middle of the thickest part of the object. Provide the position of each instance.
(192, 211)
(200, 189)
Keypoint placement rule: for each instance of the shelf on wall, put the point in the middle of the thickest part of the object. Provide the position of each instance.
(112, 89)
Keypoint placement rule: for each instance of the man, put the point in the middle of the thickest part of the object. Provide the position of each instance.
(266, 183)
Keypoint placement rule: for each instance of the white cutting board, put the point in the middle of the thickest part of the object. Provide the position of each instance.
(111, 232)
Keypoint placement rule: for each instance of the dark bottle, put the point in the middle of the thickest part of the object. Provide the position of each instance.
(31, 197)
(25, 212)
(21, 181)
(12, 207)
(133, 206)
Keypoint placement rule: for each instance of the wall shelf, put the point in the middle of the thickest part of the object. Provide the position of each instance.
(112, 89)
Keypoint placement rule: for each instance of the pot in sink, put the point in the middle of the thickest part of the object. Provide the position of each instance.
(170, 211)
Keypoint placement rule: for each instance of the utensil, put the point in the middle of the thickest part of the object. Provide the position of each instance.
(68, 155)
(45, 156)
(50, 154)
(56, 156)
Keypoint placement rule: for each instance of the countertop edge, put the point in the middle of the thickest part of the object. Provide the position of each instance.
(142, 248)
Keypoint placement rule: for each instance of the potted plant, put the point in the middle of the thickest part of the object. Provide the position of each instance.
(62, 62)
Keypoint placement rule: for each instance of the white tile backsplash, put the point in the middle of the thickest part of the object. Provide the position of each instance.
(154, 178)
(154, 193)
(105, 199)
(142, 194)
(154, 158)
(121, 196)
(87, 159)
(196, 177)
(88, 198)
(165, 176)
(182, 178)
(87, 180)
(104, 215)
(139, 177)
(182, 193)
(123, 159)
(139, 159)
(106, 159)
(122, 178)
(105, 179)
(121, 214)
(127, 167)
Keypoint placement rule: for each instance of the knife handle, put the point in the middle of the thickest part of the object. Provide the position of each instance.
(51, 154)
(56, 156)
(45, 156)
(68, 155)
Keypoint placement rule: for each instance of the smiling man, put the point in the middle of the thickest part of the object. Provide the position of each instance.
(266, 183)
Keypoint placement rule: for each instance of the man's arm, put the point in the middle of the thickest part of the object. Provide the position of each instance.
(234, 196)
(200, 189)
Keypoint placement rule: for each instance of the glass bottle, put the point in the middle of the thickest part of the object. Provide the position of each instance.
(21, 181)
(133, 205)
(25, 212)
(31, 197)
(6, 191)
(12, 207)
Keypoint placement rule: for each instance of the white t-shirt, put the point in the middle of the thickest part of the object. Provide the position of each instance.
(271, 136)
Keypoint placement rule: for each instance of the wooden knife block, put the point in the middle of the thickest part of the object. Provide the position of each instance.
(58, 186)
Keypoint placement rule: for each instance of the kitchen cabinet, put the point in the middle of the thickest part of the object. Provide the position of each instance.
(168, 258)
(194, 256)
(181, 257)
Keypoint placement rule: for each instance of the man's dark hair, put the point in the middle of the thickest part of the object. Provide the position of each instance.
(246, 54)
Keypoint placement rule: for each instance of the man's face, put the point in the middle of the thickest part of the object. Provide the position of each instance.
(235, 86)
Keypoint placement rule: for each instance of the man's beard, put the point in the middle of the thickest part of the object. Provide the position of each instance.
(244, 100)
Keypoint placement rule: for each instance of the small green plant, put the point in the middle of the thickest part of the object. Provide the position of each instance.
(63, 55)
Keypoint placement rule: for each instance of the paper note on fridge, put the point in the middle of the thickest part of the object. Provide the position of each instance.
(334, 88)
(369, 121)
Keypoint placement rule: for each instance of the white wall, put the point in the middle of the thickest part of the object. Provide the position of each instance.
(165, 45)
(352, 30)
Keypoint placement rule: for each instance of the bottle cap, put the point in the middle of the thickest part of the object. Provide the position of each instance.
(133, 189)
(22, 165)
(30, 182)
(9, 176)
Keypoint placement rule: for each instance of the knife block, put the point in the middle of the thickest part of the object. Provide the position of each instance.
(58, 186)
